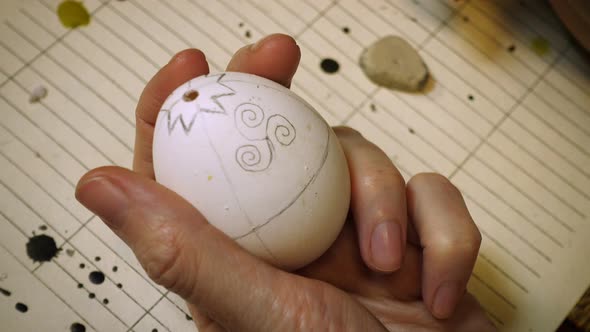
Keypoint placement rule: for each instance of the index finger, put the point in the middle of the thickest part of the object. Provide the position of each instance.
(184, 66)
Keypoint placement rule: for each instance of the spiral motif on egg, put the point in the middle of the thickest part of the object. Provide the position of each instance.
(283, 132)
(259, 153)
(251, 115)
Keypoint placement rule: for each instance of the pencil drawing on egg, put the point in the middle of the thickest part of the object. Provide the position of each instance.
(257, 161)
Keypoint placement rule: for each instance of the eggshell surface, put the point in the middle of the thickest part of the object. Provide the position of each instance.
(258, 162)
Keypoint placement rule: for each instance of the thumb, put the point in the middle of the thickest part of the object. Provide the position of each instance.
(182, 252)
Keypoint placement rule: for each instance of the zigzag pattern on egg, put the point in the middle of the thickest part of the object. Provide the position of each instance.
(218, 107)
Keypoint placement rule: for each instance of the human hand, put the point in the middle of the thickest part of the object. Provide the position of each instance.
(391, 281)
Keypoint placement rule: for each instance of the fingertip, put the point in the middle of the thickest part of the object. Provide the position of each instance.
(274, 40)
(446, 299)
(190, 55)
(275, 57)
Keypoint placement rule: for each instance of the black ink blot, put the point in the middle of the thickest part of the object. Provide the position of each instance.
(5, 292)
(96, 277)
(80, 285)
(43, 227)
(91, 295)
(105, 301)
(511, 48)
(241, 24)
(470, 97)
(345, 30)
(329, 66)
(373, 108)
(77, 327)
(41, 248)
(120, 285)
(188, 317)
(21, 307)
(248, 34)
(115, 268)
(154, 330)
(82, 265)
(411, 130)
(97, 258)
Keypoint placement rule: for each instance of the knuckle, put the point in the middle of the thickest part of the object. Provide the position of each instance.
(468, 245)
(382, 176)
(160, 257)
(310, 310)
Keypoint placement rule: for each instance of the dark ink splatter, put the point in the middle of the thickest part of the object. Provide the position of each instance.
(82, 265)
(70, 252)
(115, 268)
(470, 97)
(77, 327)
(38, 155)
(511, 48)
(105, 301)
(154, 330)
(241, 24)
(21, 307)
(42, 227)
(188, 317)
(91, 295)
(41, 248)
(80, 285)
(96, 277)
(73, 14)
(97, 259)
(248, 34)
(373, 108)
(346, 30)
(329, 66)
(5, 292)
(119, 285)
(411, 130)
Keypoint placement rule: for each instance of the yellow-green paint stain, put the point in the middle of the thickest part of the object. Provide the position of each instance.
(540, 46)
(73, 14)
(210, 177)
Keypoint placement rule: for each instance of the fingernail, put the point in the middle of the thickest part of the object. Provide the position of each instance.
(386, 246)
(445, 299)
(104, 198)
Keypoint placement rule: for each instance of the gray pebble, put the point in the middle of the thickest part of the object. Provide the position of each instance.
(393, 63)
(39, 92)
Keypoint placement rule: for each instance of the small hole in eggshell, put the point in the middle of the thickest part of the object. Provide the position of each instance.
(190, 95)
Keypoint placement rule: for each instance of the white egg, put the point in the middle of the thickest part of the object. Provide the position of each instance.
(258, 162)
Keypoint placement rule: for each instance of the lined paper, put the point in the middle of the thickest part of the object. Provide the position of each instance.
(508, 126)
